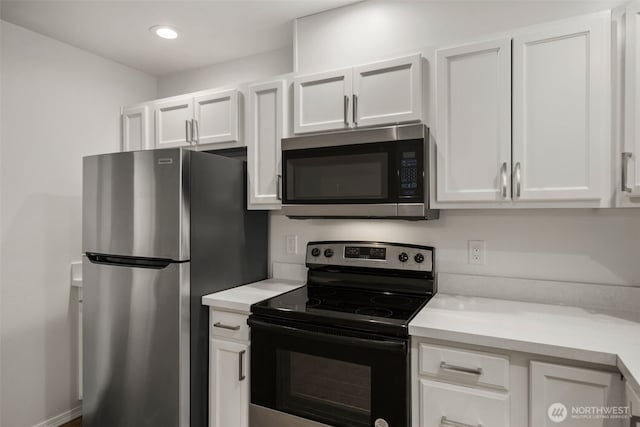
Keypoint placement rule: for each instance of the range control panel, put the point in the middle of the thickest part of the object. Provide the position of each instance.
(394, 256)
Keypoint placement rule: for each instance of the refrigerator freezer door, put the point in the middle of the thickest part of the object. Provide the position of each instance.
(135, 345)
(137, 204)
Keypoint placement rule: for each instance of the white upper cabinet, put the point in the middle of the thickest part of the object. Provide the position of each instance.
(135, 128)
(216, 118)
(552, 385)
(561, 123)
(473, 85)
(526, 121)
(630, 161)
(173, 122)
(322, 101)
(205, 120)
(265, 127)
(387, 92)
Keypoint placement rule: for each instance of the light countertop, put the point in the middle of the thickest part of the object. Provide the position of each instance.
(240, 298)
(597, 336)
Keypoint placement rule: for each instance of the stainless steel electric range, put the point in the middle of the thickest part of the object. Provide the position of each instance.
(336, 351)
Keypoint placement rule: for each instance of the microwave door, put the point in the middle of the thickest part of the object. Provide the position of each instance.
(350, 174)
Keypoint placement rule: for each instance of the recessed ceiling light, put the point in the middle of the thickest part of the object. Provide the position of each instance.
(164, 32)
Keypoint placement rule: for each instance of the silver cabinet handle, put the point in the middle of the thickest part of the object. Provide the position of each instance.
(355, 109)
(503, 173)
(346, 110)
(241, 375)
(278, 189)
(474, 371)
(223, 326)
(444, 421)
(187, 131)
(195, 131)
(625, 158)
(518, 178)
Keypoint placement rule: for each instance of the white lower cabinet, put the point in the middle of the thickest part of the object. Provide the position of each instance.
(632, 400)
(228, 372)
(563, 394)
(443, 404)
(458, 385)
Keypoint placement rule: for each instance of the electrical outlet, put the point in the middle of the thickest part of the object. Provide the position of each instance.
(476, 252)
(292, 244)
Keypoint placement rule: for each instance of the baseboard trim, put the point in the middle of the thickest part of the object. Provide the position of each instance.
(60, 419)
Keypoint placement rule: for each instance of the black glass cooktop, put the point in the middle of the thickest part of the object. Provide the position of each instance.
(373, 311)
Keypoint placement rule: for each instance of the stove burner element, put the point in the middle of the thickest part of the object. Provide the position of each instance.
(312, 302)
(374, 311)
(391, 300)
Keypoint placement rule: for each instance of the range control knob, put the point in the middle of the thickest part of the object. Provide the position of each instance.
(419, 258)
(328, 253)
(315, 252)
(403, 257)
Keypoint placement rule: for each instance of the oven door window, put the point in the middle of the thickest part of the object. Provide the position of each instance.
(347, 174)
(324, 387)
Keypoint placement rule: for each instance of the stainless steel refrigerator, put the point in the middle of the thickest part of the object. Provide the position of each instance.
(161, 228)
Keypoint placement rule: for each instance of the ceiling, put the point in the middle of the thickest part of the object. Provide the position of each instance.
(211, 31)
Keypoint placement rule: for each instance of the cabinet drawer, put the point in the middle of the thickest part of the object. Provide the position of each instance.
(464, 366)
(452, 405)
(229, 325)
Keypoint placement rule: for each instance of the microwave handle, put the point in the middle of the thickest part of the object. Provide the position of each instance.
(363, 343)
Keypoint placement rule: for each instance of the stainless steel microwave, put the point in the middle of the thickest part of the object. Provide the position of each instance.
(365, 173)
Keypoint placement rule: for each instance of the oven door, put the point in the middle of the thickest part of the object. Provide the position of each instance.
(325, 375)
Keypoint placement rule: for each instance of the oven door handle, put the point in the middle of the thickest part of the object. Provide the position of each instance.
(364, 343)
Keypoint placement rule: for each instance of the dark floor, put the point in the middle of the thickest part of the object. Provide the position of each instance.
(75, 423)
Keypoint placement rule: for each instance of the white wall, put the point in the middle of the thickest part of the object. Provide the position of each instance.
(599, 246)
(378, 29)
(58, 104)
(247, 69)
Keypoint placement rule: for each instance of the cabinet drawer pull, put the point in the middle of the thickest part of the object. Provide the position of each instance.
(223, 326)
(625, 158)
(444, 421)
(503, 175)
(355, 109)
(241, 375)
(518, 178)
(278, 187)
(195, 131)
(187, 131)
(474, 371)
(346, 110)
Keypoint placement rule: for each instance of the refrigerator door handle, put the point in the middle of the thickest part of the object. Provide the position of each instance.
(128, 261)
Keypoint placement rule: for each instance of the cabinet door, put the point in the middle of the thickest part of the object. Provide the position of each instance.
(473, 139)
(630, 159)
(135, 128)
(322, 101)
(632, 400)
(387, 92)
(228, 384)
(173, 121)
(443, 404)
(561, 110)
(216, 117)
(265, 125)
(556, 391)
